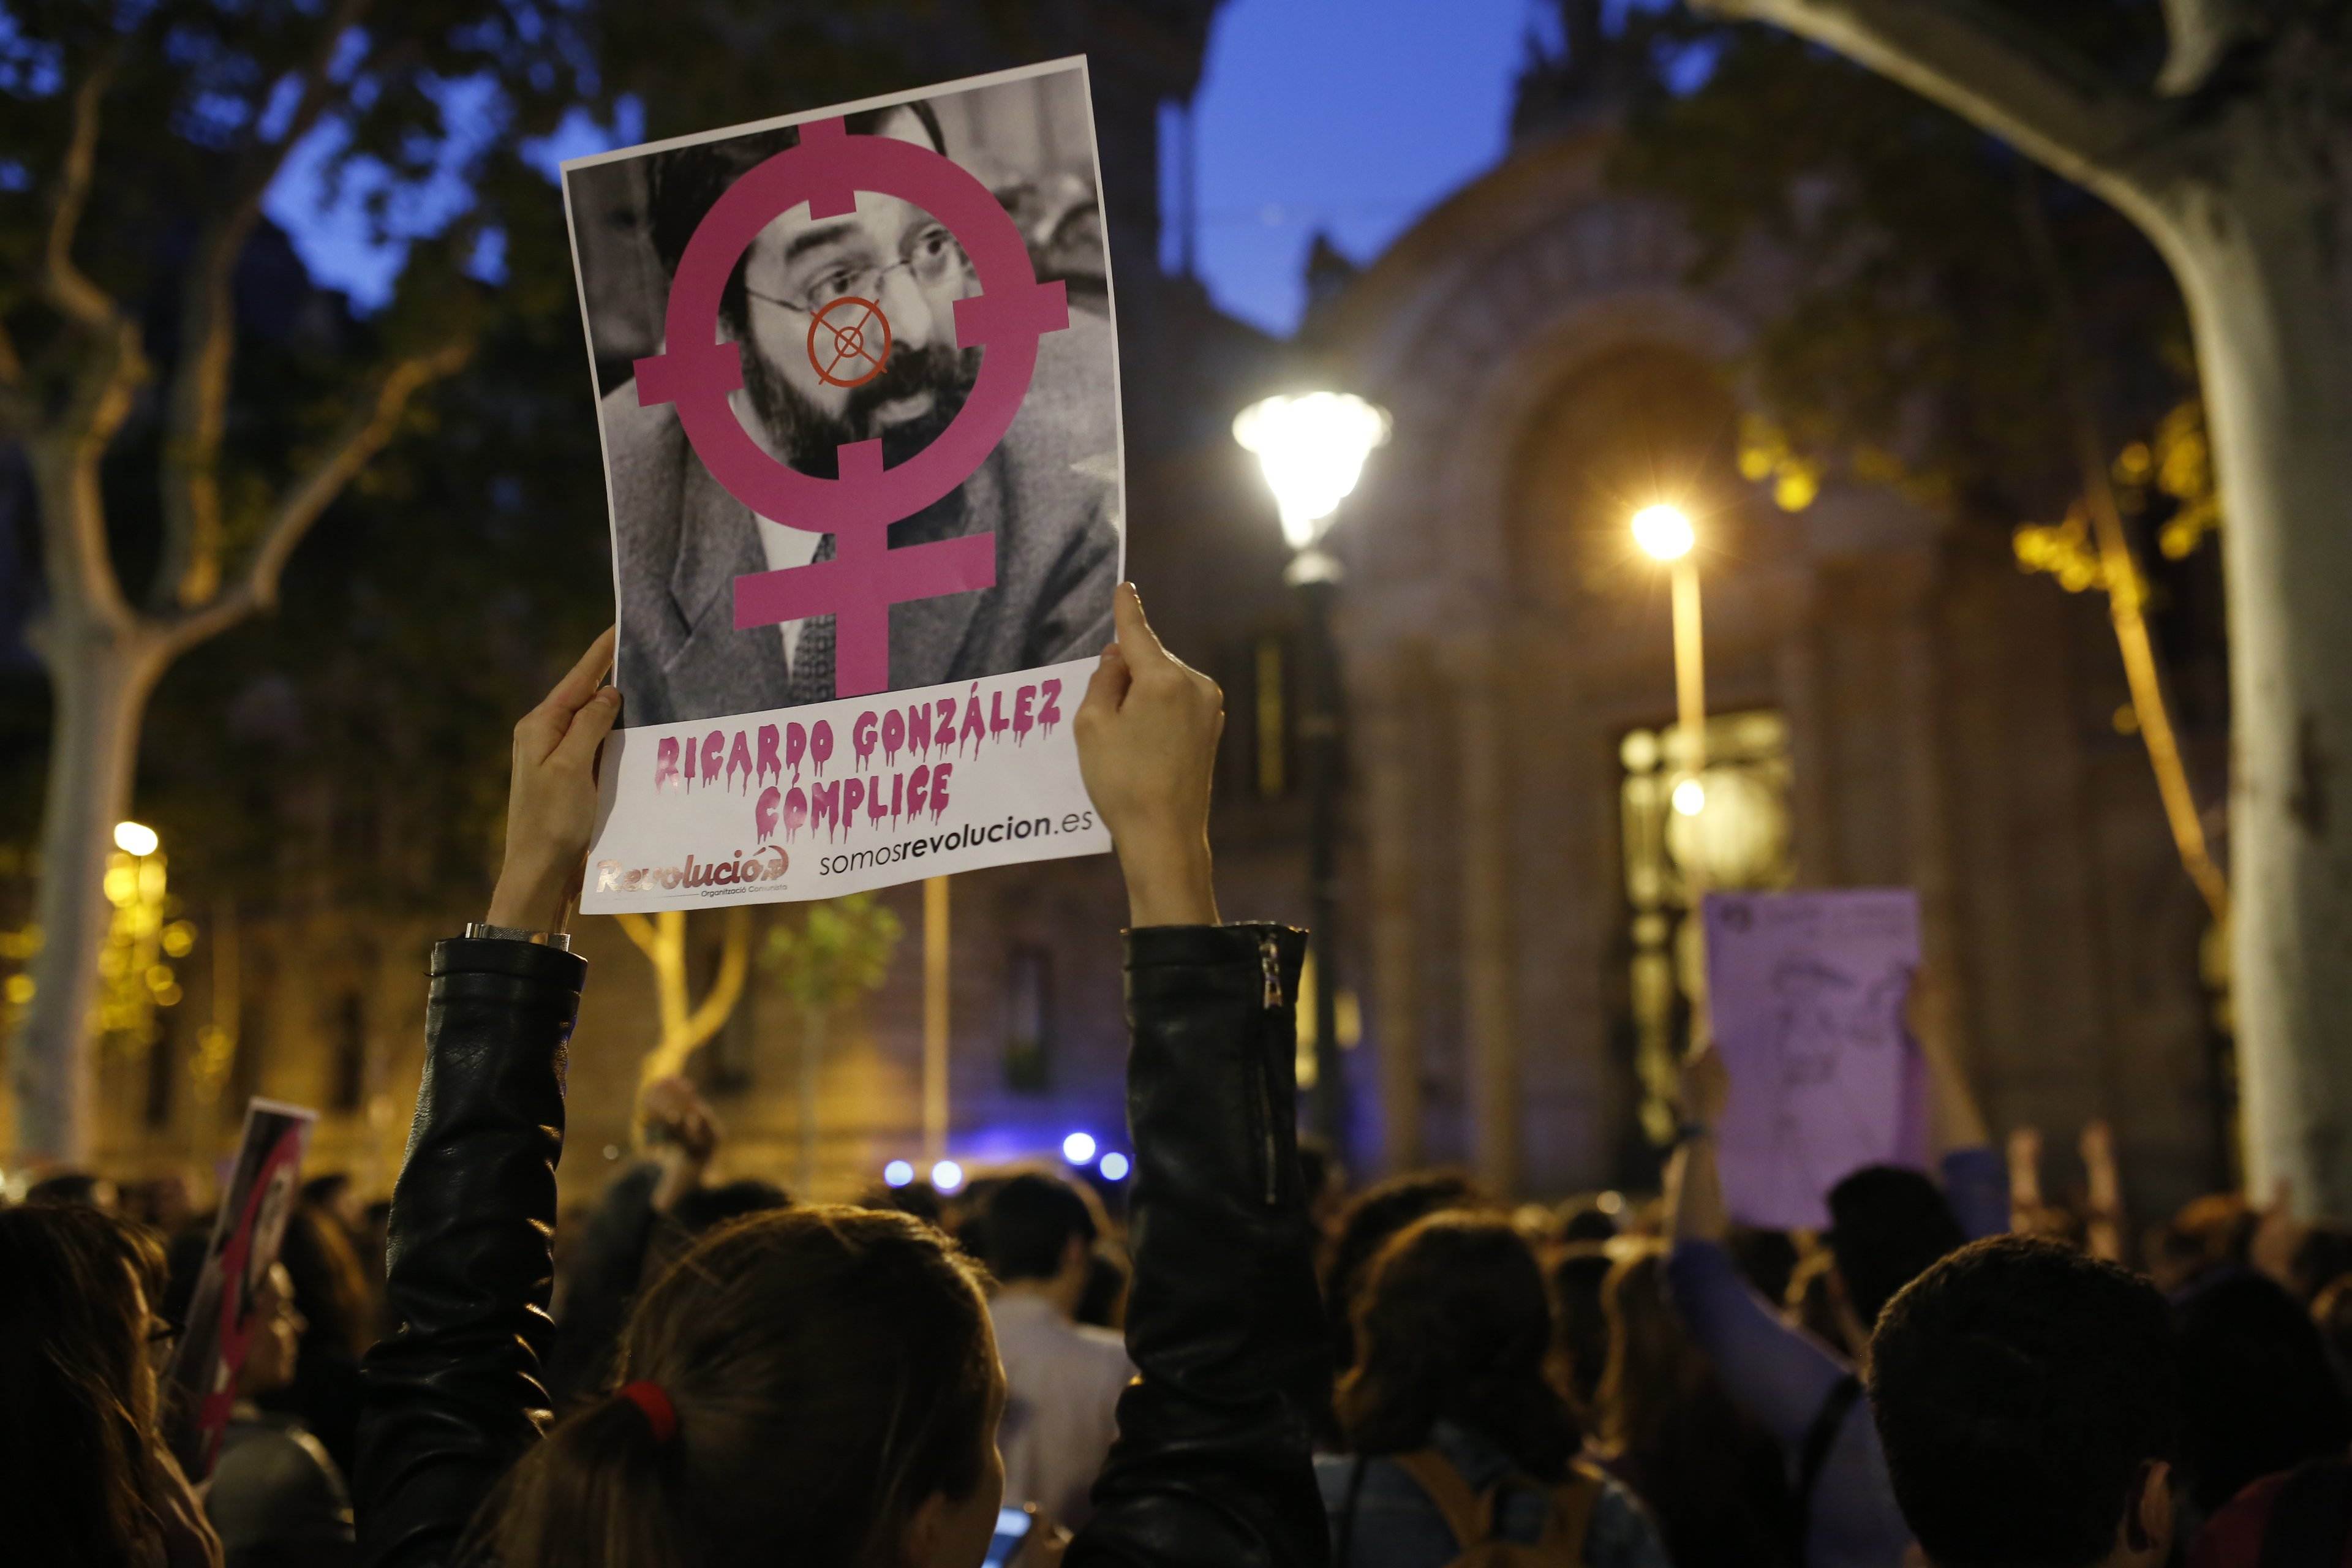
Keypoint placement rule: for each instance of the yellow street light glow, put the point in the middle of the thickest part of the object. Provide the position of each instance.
(1664, 532)
(135, 838)
(1690, 797)
(1312, 448)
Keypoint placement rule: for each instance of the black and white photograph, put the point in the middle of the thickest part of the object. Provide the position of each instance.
(846, 330)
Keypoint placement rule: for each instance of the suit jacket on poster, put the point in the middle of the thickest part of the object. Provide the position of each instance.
(1048, 493)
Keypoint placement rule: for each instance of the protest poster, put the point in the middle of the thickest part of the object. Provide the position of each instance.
(200, 1386)
(1805, 993)
(857, 385)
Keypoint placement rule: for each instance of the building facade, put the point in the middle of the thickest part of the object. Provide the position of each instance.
(1892, 704)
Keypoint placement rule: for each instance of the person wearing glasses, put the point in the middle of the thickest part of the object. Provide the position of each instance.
(811, 303)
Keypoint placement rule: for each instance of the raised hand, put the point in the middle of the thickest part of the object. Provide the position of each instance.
(1146, 735)
(551, 797)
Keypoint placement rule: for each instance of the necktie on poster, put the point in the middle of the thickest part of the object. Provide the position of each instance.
(883, 330)
(1806, 992)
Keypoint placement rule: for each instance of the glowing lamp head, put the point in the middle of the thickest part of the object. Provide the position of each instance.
(898, 1173)
(1312, 448)
(947, 1176)
(136, 838)
(1113, 1167)
(1078, 1149)
(1690, 797)
(1663, 532)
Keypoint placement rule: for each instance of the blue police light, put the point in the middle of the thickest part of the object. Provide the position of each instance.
(946, 1175)
(1078, 1149)
(1113, 1167)
(898, 1173)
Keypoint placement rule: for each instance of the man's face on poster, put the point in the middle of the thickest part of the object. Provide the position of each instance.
(889, 251)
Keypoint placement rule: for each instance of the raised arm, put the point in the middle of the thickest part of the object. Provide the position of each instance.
(453, 1395)
(1214, 1460)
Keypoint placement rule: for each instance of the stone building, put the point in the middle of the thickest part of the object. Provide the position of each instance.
(1894, 704)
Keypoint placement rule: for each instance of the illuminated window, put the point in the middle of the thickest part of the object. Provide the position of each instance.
(1738, 834)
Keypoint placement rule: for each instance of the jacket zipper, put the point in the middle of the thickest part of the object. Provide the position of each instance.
(1269, 958)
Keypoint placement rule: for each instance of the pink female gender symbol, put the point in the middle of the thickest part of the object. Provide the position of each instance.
(698, 372)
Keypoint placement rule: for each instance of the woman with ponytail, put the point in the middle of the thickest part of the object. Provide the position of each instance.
(1457, 1436)
(819, 1386)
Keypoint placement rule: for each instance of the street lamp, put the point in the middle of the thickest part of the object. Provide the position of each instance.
(1312, 448)
(1666, 534)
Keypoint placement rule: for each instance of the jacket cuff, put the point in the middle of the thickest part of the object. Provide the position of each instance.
(1151, 947)
(501, 955)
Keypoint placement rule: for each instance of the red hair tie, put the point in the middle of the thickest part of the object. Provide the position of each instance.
(654, 1400)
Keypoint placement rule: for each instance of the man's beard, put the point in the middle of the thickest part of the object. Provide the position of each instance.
(811, 439)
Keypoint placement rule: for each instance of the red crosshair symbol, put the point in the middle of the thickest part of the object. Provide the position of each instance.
(843, 326)
(699, 368)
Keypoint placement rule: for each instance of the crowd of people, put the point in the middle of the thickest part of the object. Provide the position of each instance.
(1250, 1365)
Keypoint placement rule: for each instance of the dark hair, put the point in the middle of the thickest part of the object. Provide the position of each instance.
(1029, 1225)
(831, 1368)
(682, 185)
(1371, 1219)
(1580, 1323)
(1454, 1325)
(2021, 1388)
(81, 1188)
(1103, 1303)
(78, 1426)
(331, 1284)
(2257, 1392)
(1713, 1477)
(1886, 1226)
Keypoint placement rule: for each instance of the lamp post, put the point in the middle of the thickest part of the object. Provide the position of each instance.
(1311, 448)
(1664, 534)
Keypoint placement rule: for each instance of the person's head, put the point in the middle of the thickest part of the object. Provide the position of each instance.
(335, 1195)
(2027, 1403)
(1371, 1219)
(1588, 1218)
(1886, 1226)
(331, 1289)
(78, 1424)
(836, 1392)
(888, 252)
(79, 1188)
(2207, 1232)
(1453, 1325)
(1580, 1323)
(1040, 1230)
(2258, 1394)
(275, 1350)
(1654, 1365)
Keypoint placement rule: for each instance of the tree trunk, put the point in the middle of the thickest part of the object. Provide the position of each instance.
(2257, 252)
(100, 683)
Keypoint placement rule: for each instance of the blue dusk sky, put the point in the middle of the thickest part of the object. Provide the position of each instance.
(1352, 116)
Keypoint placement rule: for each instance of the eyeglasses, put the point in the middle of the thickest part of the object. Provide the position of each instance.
(934, 259)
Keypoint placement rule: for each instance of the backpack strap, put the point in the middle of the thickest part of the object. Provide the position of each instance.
(1819, 1438)
(2311, 1517)
(1469, 1515)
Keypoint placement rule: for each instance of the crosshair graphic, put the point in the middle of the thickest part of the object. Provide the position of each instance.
(844, 333)
(698, 371)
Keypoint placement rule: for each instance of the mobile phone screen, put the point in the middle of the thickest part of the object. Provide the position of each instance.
(1012, 1528)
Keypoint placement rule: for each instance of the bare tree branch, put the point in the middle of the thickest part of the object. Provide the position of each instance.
(196, 411)
(66, 285)
(362, 436)
(2202, 33)
(65, 453)
(1998, 73)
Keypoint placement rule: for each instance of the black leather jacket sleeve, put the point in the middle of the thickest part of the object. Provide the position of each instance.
(1214, 1462)
(453, 1396)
